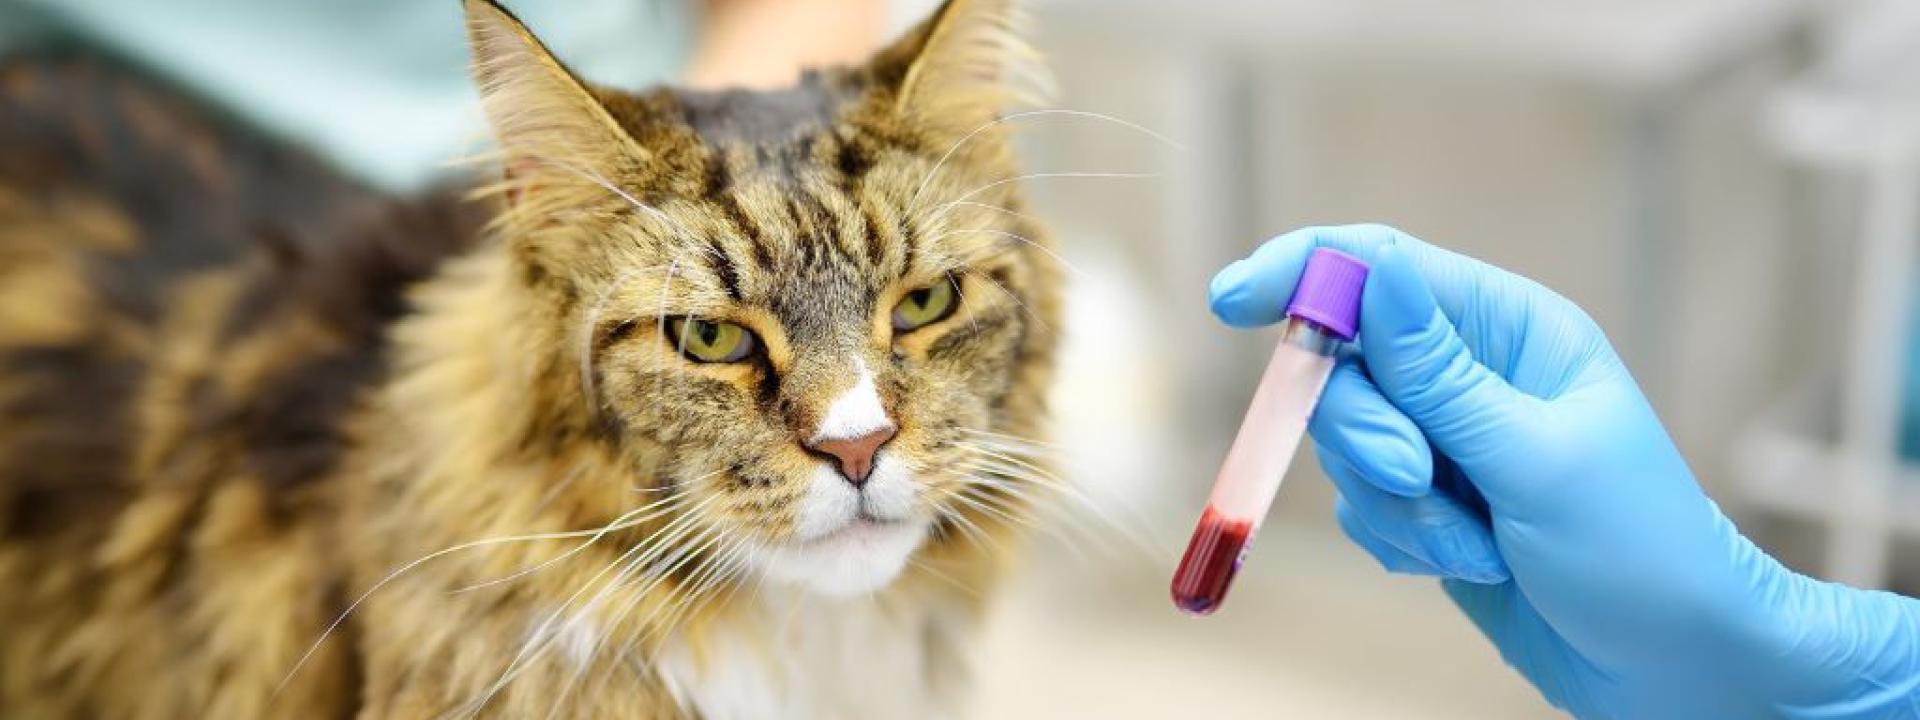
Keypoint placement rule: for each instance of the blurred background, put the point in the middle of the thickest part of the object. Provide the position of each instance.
(1729, 186)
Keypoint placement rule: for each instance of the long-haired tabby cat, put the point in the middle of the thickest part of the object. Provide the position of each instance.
(719, 416)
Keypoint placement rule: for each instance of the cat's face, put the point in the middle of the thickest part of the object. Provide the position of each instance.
(796, 313)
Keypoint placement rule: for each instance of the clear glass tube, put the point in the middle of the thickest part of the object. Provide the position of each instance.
(1250, 476)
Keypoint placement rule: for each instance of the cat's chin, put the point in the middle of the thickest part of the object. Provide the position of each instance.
(859, 558)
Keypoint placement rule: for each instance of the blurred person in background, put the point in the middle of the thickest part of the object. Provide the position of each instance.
(381, 89)
(1489, 435)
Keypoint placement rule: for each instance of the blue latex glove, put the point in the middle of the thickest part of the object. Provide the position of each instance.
(1493, 438)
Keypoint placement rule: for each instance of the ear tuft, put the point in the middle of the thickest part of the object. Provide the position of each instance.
(549, 126)
(965, 66)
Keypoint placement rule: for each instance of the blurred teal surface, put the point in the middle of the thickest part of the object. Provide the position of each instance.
(1910, 389)
(379, 87)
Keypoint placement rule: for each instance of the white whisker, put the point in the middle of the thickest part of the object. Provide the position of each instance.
(355, 605)
(935, 573)
(964, 139)
(938, 211)
(583, 546)
(588, 331)
(542, 636)
(1013, 236)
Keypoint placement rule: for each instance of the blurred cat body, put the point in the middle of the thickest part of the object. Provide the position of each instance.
(241, 398)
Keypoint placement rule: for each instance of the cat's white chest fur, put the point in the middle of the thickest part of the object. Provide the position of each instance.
(818, 659)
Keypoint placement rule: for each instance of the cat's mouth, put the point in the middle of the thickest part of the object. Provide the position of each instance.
(862, 526)
(850, 541)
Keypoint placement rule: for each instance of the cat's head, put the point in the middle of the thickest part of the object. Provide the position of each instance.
(804, 317)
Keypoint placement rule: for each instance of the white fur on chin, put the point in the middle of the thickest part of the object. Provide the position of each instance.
(828, 651)
(848, 542)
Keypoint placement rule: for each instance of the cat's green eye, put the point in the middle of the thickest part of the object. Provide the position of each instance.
(711, 341)
(925, 306)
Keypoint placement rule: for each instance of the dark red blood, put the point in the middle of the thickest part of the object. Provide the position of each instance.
(1213, 556)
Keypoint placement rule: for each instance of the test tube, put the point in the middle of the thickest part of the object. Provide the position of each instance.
(1323, 314)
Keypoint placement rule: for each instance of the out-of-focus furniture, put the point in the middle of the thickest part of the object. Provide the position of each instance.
(1560, 146)
(1828, 452)
(1604, 146)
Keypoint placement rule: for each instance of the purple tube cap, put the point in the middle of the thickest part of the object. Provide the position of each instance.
(1329, 292)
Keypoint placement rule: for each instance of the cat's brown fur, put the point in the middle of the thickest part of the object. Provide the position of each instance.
(238, 393)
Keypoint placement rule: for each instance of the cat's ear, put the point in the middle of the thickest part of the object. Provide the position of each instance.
(963, 67)
(550, 128)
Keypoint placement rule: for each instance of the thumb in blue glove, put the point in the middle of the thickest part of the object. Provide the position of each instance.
(1492, 437)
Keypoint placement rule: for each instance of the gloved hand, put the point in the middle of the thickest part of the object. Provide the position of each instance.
(1491, 436)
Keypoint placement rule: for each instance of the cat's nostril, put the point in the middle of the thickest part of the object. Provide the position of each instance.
(855, 454)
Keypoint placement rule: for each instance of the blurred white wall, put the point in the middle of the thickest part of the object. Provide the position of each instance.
(1612, 150)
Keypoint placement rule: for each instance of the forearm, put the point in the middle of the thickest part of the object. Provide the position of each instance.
(766, 43)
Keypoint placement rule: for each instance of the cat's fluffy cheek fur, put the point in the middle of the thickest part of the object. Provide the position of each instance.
(834, 550)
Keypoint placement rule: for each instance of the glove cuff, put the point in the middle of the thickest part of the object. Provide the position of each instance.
(1849, 653)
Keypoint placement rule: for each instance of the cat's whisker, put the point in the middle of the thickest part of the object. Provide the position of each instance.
(613, 624)
(1048, 112)
(716, 569)
(550, 629)
(1133, 532)
(1011, 440)
(553, 493)
(973, 317)
(590, 323)
(1012, 236)
(577, 549)
(672, 548)
(1002, 498)
(964, 524)
(596, 538)
(974, 501)
(1001, 508)
(738, 563)
(743, 565)
(1048, 456)
(542, 636)
(1015, 461)
(660, 326)
(996, 208)
(642, 585)
(1011, 295)
(711, 535)
(700, 577)
(937, 574)
(640, 553)
(938, 212)
(970, 530)
(704, 579)
(1029, 478)
(615, 525)
(651, 211)
(1003, 289)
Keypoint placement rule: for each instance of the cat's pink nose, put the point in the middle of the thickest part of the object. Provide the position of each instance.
(856, 453)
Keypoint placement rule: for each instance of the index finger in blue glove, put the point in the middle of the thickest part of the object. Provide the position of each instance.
(1254, 291)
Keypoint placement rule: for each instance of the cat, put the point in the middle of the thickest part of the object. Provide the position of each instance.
(715, 404)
